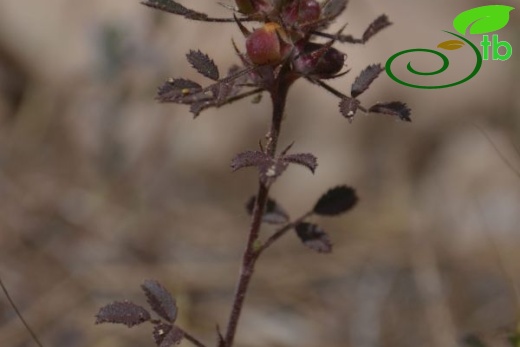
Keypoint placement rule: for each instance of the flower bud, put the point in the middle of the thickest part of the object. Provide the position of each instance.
(301, 11)
(319, 60)
(264, 46)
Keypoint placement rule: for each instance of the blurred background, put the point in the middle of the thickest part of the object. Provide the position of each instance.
(101, 187)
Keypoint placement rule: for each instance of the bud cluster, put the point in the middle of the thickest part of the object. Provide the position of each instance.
(286, 41)
(286, 35)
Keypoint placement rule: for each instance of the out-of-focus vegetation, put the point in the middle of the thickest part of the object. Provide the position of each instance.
(101, 187)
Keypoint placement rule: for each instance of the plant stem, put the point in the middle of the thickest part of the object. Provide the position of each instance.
(193, 339)
(281, 232)
(278, 97)
(248, 263)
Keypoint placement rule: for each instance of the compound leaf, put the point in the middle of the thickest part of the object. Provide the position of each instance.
(177, 89)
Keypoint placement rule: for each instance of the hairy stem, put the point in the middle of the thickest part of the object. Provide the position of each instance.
(193, 339)
(278, 97)
(281, 232)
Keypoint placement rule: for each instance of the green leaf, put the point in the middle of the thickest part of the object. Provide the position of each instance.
(451, 45)
(483, 19)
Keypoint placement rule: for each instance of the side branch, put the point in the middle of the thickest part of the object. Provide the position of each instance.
(281, 232)
(193, 339)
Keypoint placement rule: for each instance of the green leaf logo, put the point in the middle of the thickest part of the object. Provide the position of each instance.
(482, 20)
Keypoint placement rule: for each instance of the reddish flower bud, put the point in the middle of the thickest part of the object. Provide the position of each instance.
(301, 11)
(319, 60)
(264, 45)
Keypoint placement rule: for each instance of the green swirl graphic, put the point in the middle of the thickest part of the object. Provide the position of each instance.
(445, 64)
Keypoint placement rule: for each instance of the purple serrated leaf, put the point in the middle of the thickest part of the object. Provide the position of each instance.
(167, 335)
(306, 159)
(336, 201)
(203, 64)
(182, 83)
(348, 107)
(249, 158)
(160, 300)
(365, 79)
(175, 90)
(376, 26)
(268, 168)
(160, 331)
(197, 107)
(273, 214)
(174, 7)
(314, 237)
(168, 6)
(123, 312)
(393, 108)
